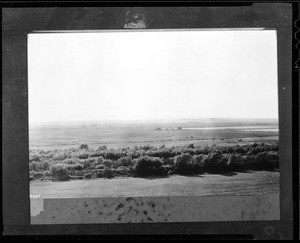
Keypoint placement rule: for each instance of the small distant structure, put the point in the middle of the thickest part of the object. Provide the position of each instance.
(157, 129)
(179, 128)
(240, 140)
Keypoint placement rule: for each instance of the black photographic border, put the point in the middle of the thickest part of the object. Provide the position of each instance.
(19, 19)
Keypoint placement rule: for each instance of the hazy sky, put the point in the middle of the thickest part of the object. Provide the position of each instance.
(152, 75)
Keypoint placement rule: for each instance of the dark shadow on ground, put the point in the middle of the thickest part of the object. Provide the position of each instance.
(190, 175)
(228, 173)
(152, 177)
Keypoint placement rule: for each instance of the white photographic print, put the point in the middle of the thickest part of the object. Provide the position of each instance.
(168, 113)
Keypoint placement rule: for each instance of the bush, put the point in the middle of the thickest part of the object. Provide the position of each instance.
(267, 161)
(75, 167)
(105, 173)
(168, 169)
(100, 167)
(87, 163)
(71, 161)
(107, 163)
(100, 160)
(42, 166)
(32, 166)
(148, 166)
(168, 161)
(147, 160)
(183, 164)
(42, 152)
(87, 175)
(34, 175)
(123, 171)
(76, 177)
(102, 147)
(59, 172)
(83, 146)
(108, 173)
(125, 161)
(198, 163)
(96, 154)
(83, 155)
(112, 155)
(211, 162)
(60, 156)
(164, 153)
(34, 158)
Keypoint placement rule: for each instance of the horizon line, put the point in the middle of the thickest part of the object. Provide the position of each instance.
(162, 119)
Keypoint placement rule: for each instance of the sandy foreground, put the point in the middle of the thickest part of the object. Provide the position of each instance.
(248, 183)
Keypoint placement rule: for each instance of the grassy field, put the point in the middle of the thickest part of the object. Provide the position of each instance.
(117, 135)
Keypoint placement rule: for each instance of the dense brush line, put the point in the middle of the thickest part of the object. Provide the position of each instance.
(85, 163)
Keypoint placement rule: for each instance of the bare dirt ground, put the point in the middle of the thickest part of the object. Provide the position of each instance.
(248, 183)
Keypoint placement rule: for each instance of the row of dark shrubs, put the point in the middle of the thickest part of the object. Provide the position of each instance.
(150, 161)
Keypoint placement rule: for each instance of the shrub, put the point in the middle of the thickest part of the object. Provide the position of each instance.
(42, 152)
(237, 162)
(198, 163)
(32, 166)
(168, 161)
(60, 156)
(105, 173)
(102, 147)
(146, 147)
(210, 163)
(71, 161)
(148, 166)
(83, 146)
(190, 146)
(83, 155)
(75, 177)
(183, 163)
(107, 163)
(87, 175)
(100, 160)
(125, 161)
(86, 163)
(101, 167)
(42, 166)
(123, 171)
(164, 153)
(59, 172)
(123, 168)
(39, 175)
(97, 154)
(168, 169)
(75, 167)
(108, 173)
(34, 157)
(112, 155)
(267, 160)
